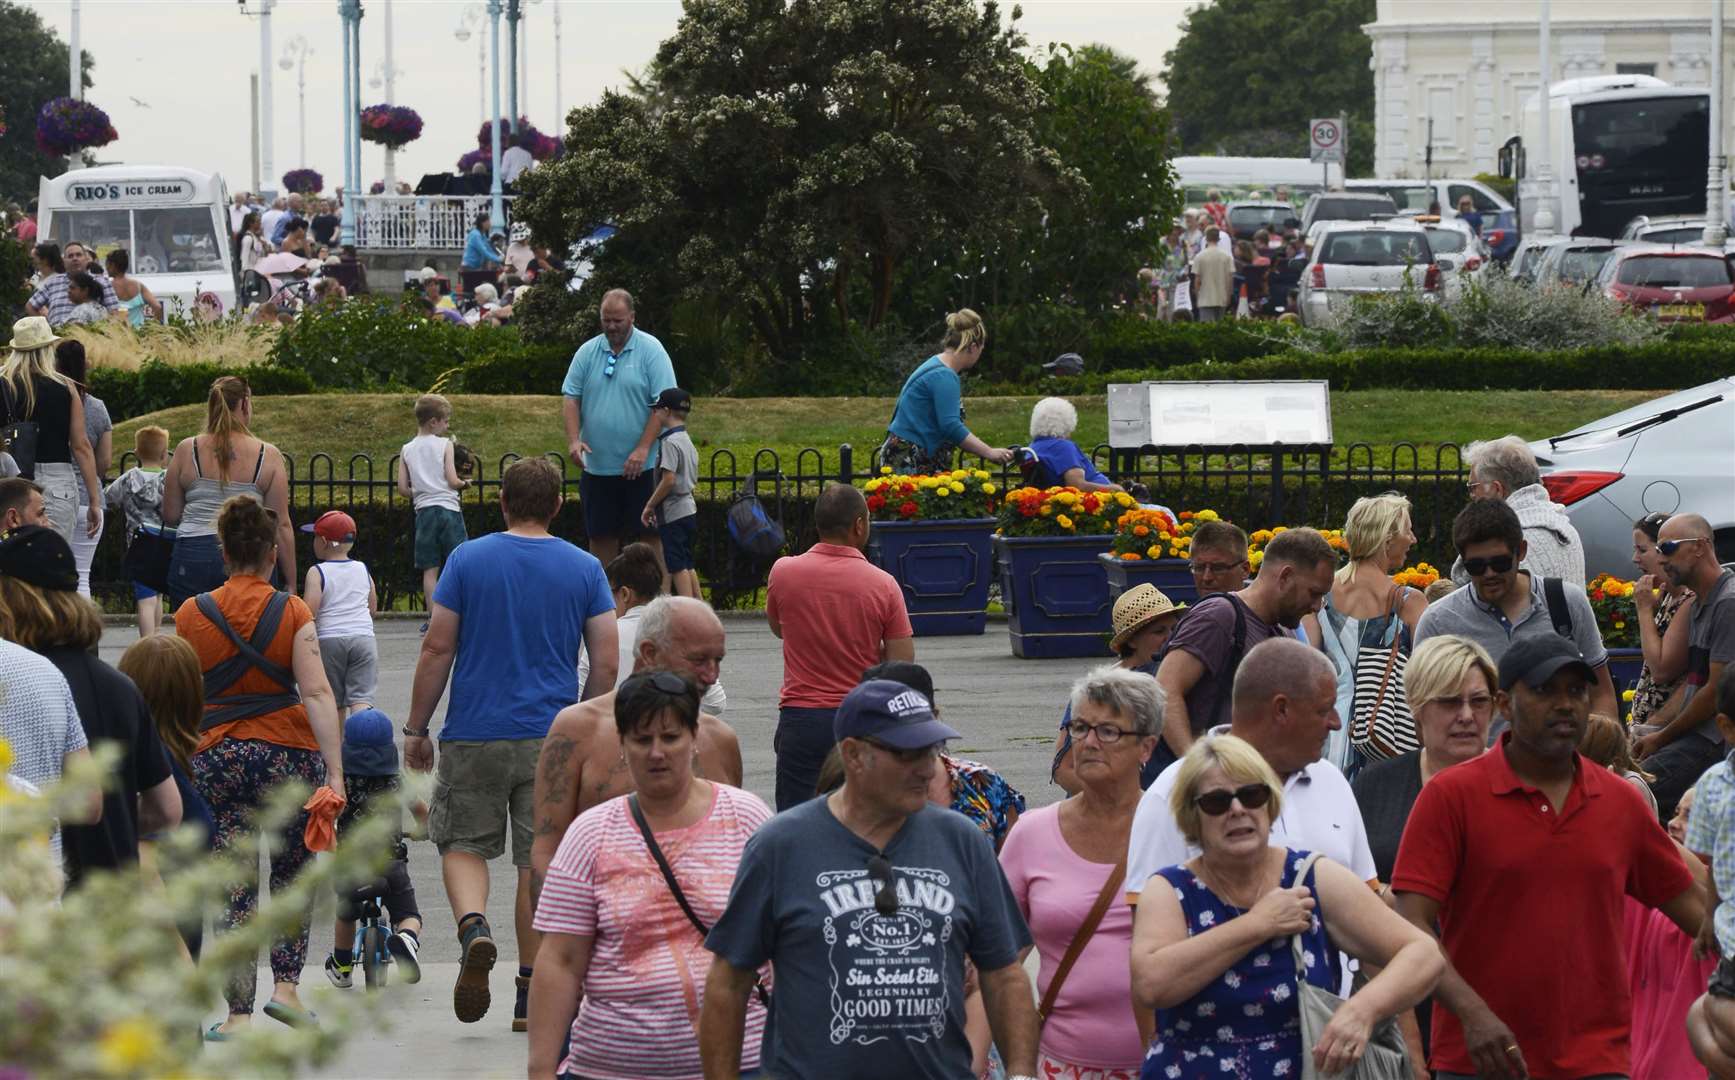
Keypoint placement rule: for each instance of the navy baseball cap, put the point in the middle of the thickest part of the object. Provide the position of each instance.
(368, 749)
(40, 557)
(891, 713)
(1535, 660)
(673, 398)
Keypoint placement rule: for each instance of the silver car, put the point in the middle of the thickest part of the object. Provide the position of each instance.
(1574, 263)
(1674, 454)
(1361, 257)
(1666, 229)
(1460, 253)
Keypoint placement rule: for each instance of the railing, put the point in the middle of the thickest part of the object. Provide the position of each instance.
(1254, 488)
(419, 222)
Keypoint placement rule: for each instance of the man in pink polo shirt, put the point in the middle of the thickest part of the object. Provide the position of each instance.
(837, 615)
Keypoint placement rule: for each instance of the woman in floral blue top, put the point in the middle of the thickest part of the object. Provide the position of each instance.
(1212, 940)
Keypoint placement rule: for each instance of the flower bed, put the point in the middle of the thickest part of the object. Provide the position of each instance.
(961, 493)
(1061, 511)
(1617, 616)
(391, 126)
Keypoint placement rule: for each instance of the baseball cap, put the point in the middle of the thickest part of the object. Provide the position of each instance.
(333, 525)
(673, 398)
(891, 713)
(368, 749)
(1535, 660)
(1065, 364)
(39, 557)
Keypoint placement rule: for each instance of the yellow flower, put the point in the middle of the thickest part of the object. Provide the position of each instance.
(1063, 521)
(5, 756)
(1046, 511)
(130, 1046)
(957, 488)
(1154, 551)
(989, 489)
(982, 474)
(942, 492)
(885, 470)
(927, 483)
(1122, 499)
(871, 486)
(1206, 515)
(1627, 695)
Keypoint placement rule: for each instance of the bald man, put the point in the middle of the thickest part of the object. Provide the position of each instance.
(1686, 741)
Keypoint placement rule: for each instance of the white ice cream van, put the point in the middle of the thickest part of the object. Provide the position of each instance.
(173, 222)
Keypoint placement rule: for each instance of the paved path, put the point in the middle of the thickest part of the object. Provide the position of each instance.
(1006, 708)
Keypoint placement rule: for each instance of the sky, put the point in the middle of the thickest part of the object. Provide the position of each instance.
(174, 75)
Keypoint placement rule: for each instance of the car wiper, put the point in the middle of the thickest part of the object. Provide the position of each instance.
(1638, 425)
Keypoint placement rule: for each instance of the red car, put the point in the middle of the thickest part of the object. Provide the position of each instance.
(1672, 283)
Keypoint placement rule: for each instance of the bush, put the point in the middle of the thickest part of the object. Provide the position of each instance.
(156, 385)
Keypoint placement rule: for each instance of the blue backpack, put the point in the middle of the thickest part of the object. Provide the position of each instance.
(752, 529)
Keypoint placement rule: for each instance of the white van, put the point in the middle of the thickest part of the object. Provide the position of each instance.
(1416, 196)
(173, 223)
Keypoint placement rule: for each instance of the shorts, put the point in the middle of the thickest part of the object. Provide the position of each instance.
(1723, 978)
(678, 537)
(393, 886)
(439, 530)
(352, 667)
(477, 786)
(612, 505)
(142, 591)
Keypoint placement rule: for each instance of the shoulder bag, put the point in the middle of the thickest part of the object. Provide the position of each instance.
(1386, 1056)
(1086, 931)
(17, 435)
(675, 886)
(1381, 725)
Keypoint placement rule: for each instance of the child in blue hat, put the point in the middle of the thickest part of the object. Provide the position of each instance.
(370, 772)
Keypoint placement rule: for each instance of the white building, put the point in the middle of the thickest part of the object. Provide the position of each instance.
(1470, 64)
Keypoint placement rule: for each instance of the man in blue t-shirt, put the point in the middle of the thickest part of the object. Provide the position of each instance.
(867, 902)
(508, 618)
(611, 429)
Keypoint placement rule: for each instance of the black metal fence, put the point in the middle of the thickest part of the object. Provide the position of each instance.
(1256, 487)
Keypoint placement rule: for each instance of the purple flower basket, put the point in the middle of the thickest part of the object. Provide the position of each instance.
(66, 125)
(303, 181)
(391, 126)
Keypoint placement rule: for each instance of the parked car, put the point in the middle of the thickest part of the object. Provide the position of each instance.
(1499, 219)
(1666, 229)
(1247, 218)
(1458, 250)
(1674, 284)
(1527, 257)
(1359, 258)
(1344, 206)
(1667, 455)
(1574, 263)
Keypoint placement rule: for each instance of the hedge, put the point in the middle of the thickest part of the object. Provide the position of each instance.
(156, 385)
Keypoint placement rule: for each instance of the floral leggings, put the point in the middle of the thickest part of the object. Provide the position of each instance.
(236, 777)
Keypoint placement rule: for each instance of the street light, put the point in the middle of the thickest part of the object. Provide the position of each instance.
(268, 164)
(295, 53)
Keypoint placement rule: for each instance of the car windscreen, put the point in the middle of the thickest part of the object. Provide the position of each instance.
(1375, 249)
(1583, 264)
(1674, 271)
(1352, 209)
(176, 241)
(102, 231)
(1447, 241)
(1250, 219)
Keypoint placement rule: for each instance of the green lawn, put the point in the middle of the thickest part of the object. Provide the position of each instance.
(378, 424)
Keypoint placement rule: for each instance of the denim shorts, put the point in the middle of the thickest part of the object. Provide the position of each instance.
(678, 537)
(195, 567)
(612, 505)
(439, 531)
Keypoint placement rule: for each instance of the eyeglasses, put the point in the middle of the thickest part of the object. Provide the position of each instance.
(1250, 796)
(880, 870)
(1205, 569)
(1669, 547)
(1478, 703)
(1106, 734)
(908, 757)
(1500, 564)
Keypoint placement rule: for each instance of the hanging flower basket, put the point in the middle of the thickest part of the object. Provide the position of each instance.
(66, 125)
(474, 158)
(303, 181)
(391, 126)
(542, 147)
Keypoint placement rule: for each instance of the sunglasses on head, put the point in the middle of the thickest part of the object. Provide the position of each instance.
(1216, 803)
(1669, 547)
(1500, 564)
(664, 682)
(880, 870)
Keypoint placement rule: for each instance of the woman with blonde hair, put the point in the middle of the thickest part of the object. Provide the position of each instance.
(42, 413)
(927, 427)
(1366, 609)
(205, 472)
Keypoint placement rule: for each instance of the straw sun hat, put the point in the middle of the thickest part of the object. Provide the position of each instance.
(1136, 609)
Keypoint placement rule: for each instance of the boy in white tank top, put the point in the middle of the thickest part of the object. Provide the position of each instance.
(341, 595)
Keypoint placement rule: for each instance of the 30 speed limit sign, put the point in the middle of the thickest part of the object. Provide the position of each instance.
(1325, 140)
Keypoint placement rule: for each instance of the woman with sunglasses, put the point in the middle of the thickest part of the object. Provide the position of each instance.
(1211, 940)
(1063, 859)
(622, 966)
(1659, 599)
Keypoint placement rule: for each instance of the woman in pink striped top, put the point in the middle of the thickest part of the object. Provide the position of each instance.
(620, 962)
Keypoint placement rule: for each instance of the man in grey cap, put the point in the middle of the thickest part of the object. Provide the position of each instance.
(1520, 861)
(868, 901)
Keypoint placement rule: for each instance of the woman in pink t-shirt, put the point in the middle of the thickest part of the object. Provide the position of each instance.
(1060, 859)
(617, 950)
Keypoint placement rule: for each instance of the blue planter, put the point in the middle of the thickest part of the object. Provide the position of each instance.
(1624, 668)
(1056, 594)
(944, 568)
(1171, 577)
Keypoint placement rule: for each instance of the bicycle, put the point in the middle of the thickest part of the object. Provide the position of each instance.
(373, 929)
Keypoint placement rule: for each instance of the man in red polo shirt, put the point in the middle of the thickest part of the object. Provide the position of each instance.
(1521, 858)
(837, 615)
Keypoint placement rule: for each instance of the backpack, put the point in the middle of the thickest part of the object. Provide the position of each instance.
(1237, 647)
(752, 529)
(1554, 591)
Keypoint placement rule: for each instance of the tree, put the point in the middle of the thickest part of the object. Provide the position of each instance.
(1248, 75)
(35, 61)
(799, 152)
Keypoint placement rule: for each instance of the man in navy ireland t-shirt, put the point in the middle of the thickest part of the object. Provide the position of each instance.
(867, 902)
(509, 615)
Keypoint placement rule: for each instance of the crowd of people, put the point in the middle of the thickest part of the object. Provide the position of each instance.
(1311, 820)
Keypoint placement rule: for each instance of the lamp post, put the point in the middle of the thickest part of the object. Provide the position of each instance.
(267, 159)
(349, 12)
(497, 209)
(468, 22)
(295, 53)
(1544, 221)
(75, 54)
(1717, 189)
(513, 15)
(559, 117)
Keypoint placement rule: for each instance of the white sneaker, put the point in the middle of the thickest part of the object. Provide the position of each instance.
(403, 948)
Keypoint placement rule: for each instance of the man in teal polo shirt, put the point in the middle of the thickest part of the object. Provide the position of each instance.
(610, 427)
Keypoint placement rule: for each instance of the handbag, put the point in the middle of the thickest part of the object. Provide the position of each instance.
(17, 437)
(1081, 938)
(759, 990)
(1386, 1056)
(1381, 725)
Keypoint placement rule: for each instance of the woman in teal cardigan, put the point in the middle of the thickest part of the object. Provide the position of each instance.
(927, 427)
